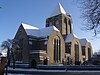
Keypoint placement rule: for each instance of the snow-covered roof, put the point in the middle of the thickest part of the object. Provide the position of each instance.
(48, 30)
(43, 32)
(84, 41)
(26, 26)
(58, 10)
(70, 37)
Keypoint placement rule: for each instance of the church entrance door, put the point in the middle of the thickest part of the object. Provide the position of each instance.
(33, 63)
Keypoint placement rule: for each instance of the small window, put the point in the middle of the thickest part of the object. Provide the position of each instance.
(50, 23)
(83, 50)
(57, 22)
(69, 22)
(30, 42)
(21, 43)
(20, 30)
(68, 47)
(65, 20)
(45, 42)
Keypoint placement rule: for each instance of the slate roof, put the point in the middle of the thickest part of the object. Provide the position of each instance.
(70, 37)
(84, 41)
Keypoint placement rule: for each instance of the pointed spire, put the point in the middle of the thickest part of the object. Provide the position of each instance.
(58, 10)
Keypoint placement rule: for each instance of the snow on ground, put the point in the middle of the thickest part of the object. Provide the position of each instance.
(16, 74)
(83, 71)
(36, 70)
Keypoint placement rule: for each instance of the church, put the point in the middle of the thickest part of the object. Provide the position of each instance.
(54, 44)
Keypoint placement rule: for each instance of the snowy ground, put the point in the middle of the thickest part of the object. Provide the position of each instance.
(29, 71)
(16, 74)
(37, 70)
(34, 70)
(19, 71)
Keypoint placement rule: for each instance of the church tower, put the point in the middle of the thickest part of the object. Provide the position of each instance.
(60, 19)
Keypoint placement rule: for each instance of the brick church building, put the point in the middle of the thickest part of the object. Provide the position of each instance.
(56, 43)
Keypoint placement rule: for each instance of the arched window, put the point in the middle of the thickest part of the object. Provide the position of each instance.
(18, 53)
(69, 23)
(68, 47)
(57, 51)
(76, 47)
(65, 21)
(83, 50)
(89, 53)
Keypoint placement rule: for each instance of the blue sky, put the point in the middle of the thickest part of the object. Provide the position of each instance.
(35, 12)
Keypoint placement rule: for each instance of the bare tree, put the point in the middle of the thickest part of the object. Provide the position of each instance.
(10, 45)
(7, 45)
(91, 15)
